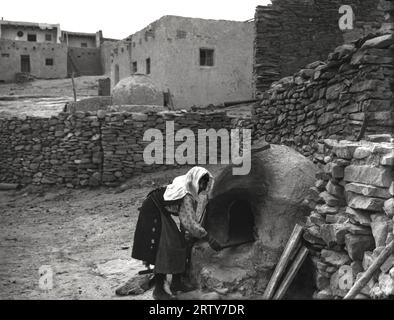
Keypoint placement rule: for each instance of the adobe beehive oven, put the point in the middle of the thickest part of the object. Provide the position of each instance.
(137, 89)
(262, 207)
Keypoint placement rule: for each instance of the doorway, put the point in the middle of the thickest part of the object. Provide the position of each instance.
(25, 63)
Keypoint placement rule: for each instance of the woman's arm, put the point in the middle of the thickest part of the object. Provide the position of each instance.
(188, 217)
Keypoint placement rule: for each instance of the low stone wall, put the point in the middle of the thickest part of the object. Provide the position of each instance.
(351, 91)
(352, 217)
(88, 148)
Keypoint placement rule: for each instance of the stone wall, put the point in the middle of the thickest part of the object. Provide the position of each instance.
(292, 33)
(352, 217)
(87, 148)
(351, 90)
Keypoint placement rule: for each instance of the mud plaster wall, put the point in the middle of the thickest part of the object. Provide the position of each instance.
(105, 54)
(76, 41)
(84, 149)
(38, 52)
(172, 43)
(290, 34)
(331, 99)
(84, 61)
(10, 32)
(120, 57)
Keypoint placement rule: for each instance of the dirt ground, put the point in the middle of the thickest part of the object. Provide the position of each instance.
(44, 98)
(85, 236)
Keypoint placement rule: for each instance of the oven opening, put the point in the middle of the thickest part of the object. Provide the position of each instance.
(240, 222)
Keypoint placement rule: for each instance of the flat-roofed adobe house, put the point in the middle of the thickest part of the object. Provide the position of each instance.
(200, 61)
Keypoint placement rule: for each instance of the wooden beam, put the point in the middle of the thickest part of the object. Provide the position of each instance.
(364, 279)
(298, 261)
(283, 261)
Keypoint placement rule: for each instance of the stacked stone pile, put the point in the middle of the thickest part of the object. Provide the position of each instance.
(334, 99)
(89, 148)
(352, 217)
(123, 145)
(292, 33)
(64, 149)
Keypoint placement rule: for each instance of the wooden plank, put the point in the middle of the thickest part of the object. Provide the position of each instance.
(364, 279)
(283, 261)
(298, 261)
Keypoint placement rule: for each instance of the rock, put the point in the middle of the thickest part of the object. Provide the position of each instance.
(322, 281)
(335, 190)
(321, 185)
(388, 264)
(362, 153)
(386, 284)
(379, 138)
(358, 216)
(338, 218)
(325, 294)
(333, 233)
(316, 219)
(356, 245)
(367, 190)
(139, 116)
(358, 230)
(391, 273)
(387, 160)
(368, 259)
(330, 200)
(335, 258)
(376, 293)
(380, 177)
(345, 151)
(380, 231)
(311, 238)
(356, 267)
(136, 285)
(364, 203)
(95, 179)
(389, 207)
(8, 186)
(198, 295)
(391, 189)
(326, 209)
(379, 42)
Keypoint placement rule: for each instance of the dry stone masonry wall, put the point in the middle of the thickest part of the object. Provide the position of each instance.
(292, 33)
(352, 217)
(87, 148)
(332, 99)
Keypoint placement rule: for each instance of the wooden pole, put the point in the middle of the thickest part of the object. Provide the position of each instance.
(298, 261)
(366, 277)
(73, 83)
(283, 261)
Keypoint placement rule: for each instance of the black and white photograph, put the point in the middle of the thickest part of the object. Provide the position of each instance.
(211, 150)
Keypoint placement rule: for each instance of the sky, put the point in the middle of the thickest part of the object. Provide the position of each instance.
(120, 18)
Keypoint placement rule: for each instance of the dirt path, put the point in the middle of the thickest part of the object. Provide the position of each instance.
(44, 98)
(74, 232)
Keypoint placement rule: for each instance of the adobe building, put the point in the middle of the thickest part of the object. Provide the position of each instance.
(44, 51)
(199, 61)
(33, 48)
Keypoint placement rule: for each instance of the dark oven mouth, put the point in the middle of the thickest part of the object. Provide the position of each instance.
(230, 219)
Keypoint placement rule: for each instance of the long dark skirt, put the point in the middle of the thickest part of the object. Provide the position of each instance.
(157, 239)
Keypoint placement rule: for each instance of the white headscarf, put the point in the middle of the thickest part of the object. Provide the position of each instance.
(187, 183)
